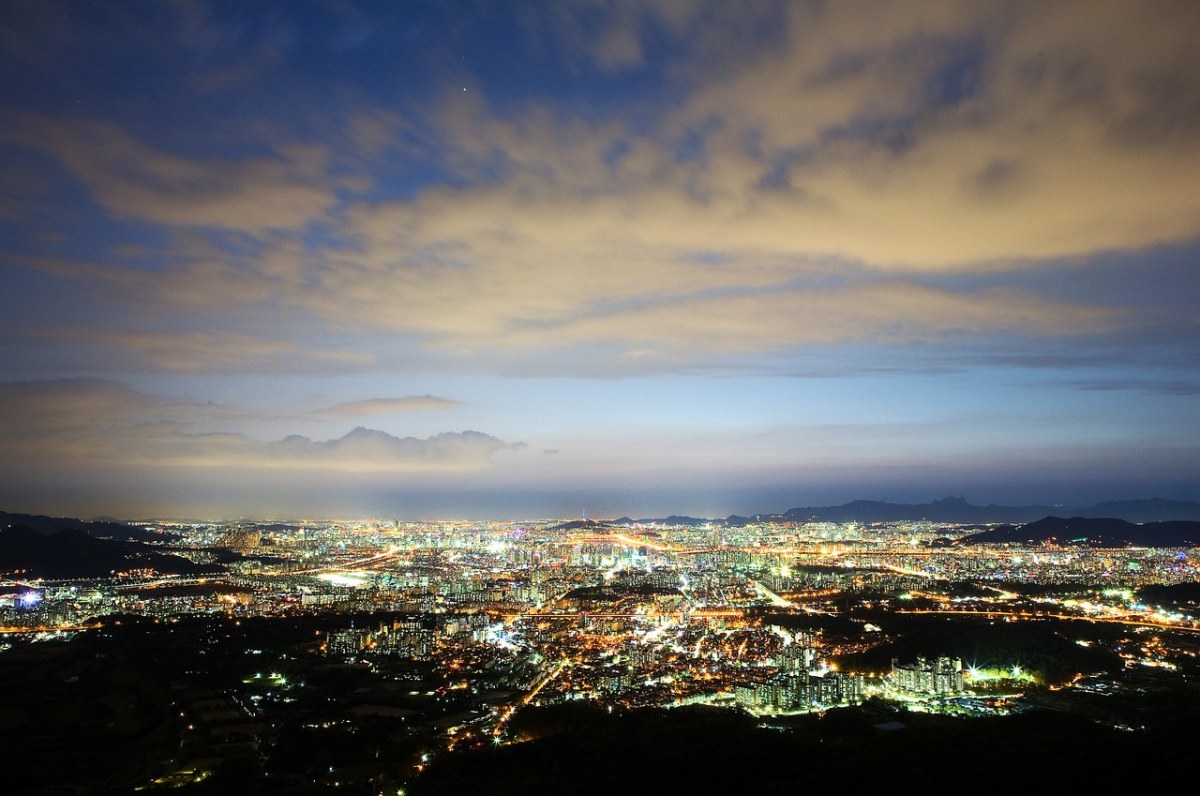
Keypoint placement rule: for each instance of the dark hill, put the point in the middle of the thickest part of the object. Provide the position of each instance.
(74, 554)
(574, 525)
(105, 529)
(1095, 532)
(688, 750)
(1177, 594)
(676, 519)
(1036, 648)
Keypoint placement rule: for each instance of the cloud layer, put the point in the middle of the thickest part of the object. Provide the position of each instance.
(813, 175)
(88, 425)
(965, 230)
(388, 406)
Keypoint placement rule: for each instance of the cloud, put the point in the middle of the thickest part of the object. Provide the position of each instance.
(890, 313)
(936, 141)
(796, 179)
(587, 34)
(207, 351)
(287, 189)
(886, 127)
(530, 289)
(81, 428)
(361, 450)
(387, 406)
(364, 449)
(938, 136)
(1149, 386)
(74, 409)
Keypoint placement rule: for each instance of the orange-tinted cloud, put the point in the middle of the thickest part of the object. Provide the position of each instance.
(388, 406)
(75, 426)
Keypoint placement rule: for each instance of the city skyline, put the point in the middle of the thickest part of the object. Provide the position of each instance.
(535, 259)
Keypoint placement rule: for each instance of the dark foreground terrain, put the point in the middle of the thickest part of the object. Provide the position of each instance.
(695, 750)
(254, 705)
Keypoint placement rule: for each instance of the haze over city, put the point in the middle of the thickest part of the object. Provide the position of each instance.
(535, 259)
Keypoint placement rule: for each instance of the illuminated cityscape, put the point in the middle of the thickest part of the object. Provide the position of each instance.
(559, 397)
(453, 634)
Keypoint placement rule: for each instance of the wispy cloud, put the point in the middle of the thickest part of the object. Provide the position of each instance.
(284, 190)
(208, 351)
(85, 425)
(323, 211)
(388, 406)
(1149, 386)
(361, 450)
(806, 183)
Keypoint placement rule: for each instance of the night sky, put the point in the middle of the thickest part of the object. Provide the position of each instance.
(532, 259)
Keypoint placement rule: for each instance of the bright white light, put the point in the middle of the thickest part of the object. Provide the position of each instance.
(352, 579)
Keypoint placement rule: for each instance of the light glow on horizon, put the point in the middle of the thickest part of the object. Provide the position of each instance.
(755, 257)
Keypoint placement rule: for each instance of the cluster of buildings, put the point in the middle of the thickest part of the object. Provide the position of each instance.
(627, 614)
(412, 638)
(784, 693)
(940, 676)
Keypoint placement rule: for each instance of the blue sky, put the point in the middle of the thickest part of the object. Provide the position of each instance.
(529, 259)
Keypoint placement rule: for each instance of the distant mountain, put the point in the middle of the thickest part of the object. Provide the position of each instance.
(104, 529)
(949, 509)
(74, 554)
(1154, 510)
(953, 510)
(676, 519)
(1094, 532)
(958, 510)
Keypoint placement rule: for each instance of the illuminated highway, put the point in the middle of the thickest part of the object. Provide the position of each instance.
(1028, 615)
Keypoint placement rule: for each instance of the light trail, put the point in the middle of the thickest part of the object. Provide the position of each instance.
(916, 573)
(363, 563)
(704, 613)
(775, 599)
(170, 580)
(1042, 615)
(1008, 595)
(48, 628)
(631, 541)
(525, 700)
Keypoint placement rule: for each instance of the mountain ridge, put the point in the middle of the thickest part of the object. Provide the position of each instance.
(959, 510)
(105, 528)
(1092, 531)
(73, 553)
